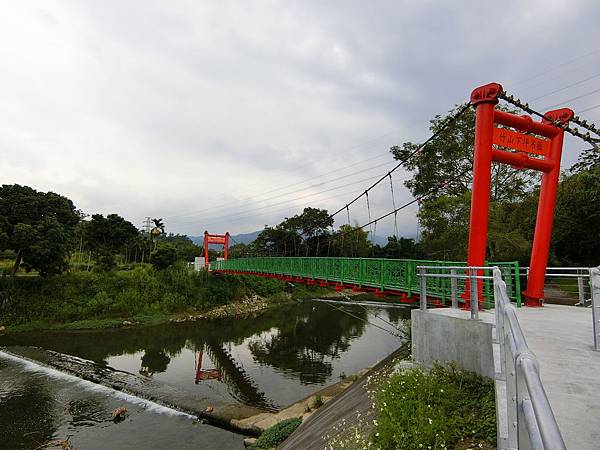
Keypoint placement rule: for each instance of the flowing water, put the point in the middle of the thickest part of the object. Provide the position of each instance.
(268, 361)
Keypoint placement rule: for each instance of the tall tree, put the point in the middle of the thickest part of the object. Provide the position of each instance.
(38, 227)
(442, 171)
(106, 236)
(302, 234)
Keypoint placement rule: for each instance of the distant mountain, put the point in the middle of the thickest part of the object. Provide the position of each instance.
(243, 238)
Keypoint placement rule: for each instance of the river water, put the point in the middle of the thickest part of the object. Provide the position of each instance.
(269, 361)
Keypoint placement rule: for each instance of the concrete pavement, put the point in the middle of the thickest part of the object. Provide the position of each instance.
(562, 339)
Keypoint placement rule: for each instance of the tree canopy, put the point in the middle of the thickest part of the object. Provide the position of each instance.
(442, 171)
(38, 227)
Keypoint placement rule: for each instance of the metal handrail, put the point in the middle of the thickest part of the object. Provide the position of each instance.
(527, 403)
(471, 275)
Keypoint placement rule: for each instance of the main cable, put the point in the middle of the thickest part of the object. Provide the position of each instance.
(450, 120)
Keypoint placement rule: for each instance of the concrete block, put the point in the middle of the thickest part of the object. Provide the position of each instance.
(448, 335)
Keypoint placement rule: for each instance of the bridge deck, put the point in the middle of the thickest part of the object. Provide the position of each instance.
(562, 339)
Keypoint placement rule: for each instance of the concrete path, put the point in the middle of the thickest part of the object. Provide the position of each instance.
(562, 339)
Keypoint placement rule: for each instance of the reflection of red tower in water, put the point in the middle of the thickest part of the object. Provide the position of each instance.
(205, 374)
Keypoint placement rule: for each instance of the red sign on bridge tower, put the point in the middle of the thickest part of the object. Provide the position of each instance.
(524, 143)
(215, 239)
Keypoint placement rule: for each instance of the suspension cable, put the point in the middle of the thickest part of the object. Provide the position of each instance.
(449, 121)
(573, 131)
(369, 213)
(394, 206)
(366, 321)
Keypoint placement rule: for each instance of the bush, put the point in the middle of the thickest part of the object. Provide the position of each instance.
(164, 256)
(435, 409)
(275, 435)
(140, 290)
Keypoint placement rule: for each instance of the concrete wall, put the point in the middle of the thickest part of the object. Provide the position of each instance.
(447, 335)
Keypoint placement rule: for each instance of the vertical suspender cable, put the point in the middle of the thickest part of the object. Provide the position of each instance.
(394, 205)
(369, 212)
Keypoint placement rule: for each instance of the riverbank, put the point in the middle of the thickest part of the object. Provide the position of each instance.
(140, 296)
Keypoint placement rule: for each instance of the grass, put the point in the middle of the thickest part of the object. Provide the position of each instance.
(568, 285)
(436, 409)
(416, 409)
(276, 434)
(141, 294)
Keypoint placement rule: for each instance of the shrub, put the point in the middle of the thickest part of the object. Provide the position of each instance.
(275, 435)
(164, 256)
(435, 409)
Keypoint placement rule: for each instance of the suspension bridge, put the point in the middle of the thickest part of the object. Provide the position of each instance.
(491, 343)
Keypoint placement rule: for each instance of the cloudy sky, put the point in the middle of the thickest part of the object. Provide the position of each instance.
(227, 116)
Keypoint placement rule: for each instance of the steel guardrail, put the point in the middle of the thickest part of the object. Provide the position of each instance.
(531, 422)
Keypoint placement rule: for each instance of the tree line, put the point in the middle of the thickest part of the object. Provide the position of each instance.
(40, 231)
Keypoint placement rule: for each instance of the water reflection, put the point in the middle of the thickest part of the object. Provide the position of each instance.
(153, 361)
(269, 360)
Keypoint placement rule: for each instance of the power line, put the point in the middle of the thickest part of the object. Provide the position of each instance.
(443, 128)
(297, 190)
(233, 202)
(588, 109)
(558, 66)
(566, 87)
(572, 99)
(286, 201)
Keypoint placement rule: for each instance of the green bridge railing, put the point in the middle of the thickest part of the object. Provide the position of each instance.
(385, 274)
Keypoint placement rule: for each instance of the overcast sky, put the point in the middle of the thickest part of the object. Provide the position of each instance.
(227, 116)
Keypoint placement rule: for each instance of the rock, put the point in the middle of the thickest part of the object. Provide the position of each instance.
(249, 441)
(119, 413)
(127, 323)
(2, 328)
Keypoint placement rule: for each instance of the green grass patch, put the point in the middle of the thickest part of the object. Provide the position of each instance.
(437, 409)
(568, 285)
(275, 435)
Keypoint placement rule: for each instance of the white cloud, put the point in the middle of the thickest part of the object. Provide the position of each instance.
(167, 108)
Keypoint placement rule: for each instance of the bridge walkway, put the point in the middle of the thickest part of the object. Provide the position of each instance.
(562, 339)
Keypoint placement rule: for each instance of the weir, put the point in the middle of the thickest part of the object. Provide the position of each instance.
(135, 388)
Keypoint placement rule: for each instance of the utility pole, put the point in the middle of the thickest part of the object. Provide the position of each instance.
(147, 228)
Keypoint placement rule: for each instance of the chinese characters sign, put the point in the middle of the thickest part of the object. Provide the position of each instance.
(520, 142)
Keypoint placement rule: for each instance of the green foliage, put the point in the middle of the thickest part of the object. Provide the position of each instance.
(105, 236)
(38, 227)
(351, 241)
(575, 238)
(400, 248)
(275, 435)
(435, 409)
(318, 402)
(164, 256)
(300, 235)
(142, 290)
(185, 248)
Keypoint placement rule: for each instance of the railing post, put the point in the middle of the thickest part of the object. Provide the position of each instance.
(423, 286)
(511, 394)
(522, 395)
(580, 288)
(453, 289)
(595, 288)
(474, 297)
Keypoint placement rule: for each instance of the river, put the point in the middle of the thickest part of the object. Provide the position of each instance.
(267, 361)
